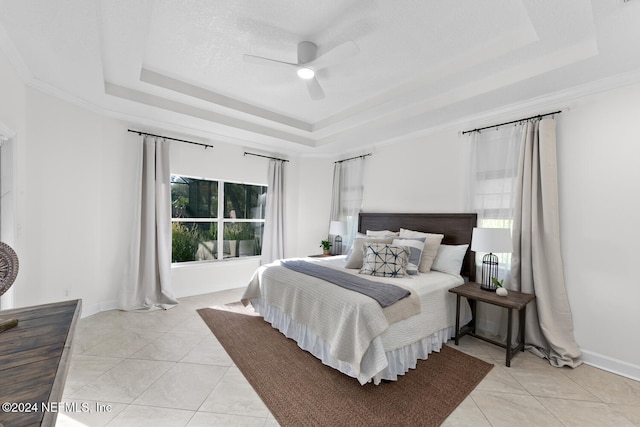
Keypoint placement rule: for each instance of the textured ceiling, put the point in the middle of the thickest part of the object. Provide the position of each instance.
(177, 65)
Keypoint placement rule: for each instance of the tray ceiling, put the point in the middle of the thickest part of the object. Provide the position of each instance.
(178, 65)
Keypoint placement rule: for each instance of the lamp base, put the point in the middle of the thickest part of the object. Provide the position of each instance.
(337, 245)
(489, 271)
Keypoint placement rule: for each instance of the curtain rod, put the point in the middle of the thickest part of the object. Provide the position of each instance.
(173, 139)
(539, 116)
(352, 158)
(266, 157)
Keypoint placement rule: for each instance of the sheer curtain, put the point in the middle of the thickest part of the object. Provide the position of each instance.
(494, 168)
(148, 282)
(346, 199)
(537, 262)
(274, 219)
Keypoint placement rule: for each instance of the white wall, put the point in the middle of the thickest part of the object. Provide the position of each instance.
(72, 181)
(420, 174)
(598, 154)
(13, 96)
(427, 173)
(12, 121)
(313, 201)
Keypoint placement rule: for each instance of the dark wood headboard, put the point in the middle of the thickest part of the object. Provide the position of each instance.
(456, 227)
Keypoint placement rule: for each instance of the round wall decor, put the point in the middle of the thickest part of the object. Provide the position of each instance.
(8, 267)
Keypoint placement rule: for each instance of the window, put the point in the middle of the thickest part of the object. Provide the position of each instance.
(494, 175)
(214, 220)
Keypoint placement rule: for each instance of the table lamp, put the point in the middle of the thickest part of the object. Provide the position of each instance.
(490, 240)
(338, 229)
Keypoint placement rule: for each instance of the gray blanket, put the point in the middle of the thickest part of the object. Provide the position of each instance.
(385, 294)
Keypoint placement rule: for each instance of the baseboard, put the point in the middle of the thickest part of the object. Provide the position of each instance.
(610, 364)
(88, 310)
(109, 305)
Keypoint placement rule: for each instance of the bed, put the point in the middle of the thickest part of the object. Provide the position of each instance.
(352, 332)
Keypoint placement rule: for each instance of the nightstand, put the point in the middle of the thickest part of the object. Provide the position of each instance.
(513, 301)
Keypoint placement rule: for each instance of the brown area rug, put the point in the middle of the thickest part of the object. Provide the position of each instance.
(301, 391)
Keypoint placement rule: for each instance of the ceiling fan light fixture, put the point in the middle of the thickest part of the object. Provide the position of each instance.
(306, 73)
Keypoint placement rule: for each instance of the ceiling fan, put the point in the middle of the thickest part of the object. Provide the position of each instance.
(309, 64)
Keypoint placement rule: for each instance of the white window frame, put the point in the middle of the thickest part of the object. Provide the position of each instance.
(220, 220)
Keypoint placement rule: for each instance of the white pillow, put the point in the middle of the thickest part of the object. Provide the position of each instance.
(358, 236)
(356, 255)
(430, 250)
(381, 233)
(416, 246)
(450, 258)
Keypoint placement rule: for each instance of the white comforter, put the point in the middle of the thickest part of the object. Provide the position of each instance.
(350, 331)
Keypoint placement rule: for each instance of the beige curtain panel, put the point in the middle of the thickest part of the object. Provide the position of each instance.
(537, 262)
(273, 246)
(148, 278)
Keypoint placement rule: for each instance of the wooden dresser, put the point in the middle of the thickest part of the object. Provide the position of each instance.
(34, 358)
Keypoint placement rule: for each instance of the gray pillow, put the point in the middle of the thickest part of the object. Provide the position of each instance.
(430, 247)
(416, 245)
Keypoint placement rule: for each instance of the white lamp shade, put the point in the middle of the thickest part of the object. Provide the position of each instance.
(338, 228)
(493, 240)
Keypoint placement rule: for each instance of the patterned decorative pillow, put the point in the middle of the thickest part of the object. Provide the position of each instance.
(385, 260)
(356, 254)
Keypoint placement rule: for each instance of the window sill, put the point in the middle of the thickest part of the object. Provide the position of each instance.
(215, 262)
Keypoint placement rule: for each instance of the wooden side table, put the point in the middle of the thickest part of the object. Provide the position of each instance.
(513, 301)
(34, 359)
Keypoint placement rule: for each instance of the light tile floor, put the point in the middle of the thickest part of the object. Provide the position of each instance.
(166, 368)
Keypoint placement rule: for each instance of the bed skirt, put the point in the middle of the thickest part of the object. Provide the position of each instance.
(377, 364)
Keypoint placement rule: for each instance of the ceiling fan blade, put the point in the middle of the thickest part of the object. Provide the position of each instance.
(336, 55)
(315, 90)
(267, 61)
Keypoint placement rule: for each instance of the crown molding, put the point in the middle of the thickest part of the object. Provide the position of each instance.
(6, 133)
(553, 101)
(9, 49)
